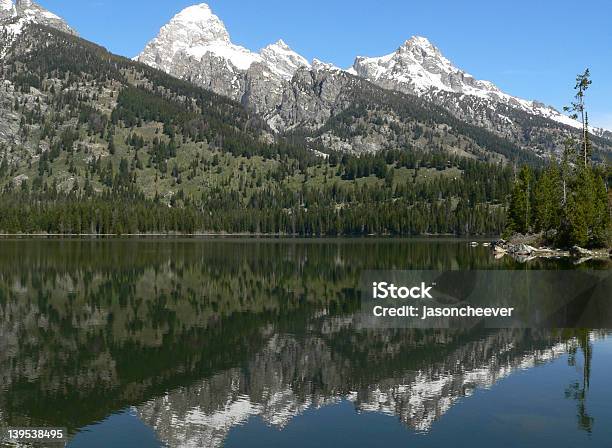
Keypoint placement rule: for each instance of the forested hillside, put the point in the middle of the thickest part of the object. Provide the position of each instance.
(96, 143)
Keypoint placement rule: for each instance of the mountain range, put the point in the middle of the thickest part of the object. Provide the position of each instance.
(195, 45)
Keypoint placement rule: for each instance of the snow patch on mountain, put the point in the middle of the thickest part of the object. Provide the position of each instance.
(320, 65)
(282, 60)
(240, 57)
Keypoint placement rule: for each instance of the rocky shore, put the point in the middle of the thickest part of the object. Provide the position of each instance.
(522, 251)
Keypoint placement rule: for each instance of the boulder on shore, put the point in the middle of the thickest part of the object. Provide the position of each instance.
(521, 249)
(499, 246)
(579, 252)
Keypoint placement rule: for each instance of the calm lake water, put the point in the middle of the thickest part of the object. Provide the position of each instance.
(252, 343)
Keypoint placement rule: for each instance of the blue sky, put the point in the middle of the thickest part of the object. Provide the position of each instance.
(530, 49)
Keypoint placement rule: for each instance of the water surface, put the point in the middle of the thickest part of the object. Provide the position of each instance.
(253, 343)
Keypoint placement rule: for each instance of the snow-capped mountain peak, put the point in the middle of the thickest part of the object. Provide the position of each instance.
(280, 44)
(197, 24)
(420, 45)
(282, 60)
(195, 32)
(419, 67)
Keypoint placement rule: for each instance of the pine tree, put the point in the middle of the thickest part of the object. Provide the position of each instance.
(566, 167)
(111, 146)
(587, 153)
(580, 209)
(601, 214)
(519, 212)
(548, 200)
(578, 110)
(586, 215)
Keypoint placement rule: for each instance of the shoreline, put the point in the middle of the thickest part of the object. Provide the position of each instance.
(524, 252)
(480, 238)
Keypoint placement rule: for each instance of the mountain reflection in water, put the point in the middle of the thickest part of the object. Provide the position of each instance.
(199, 336)
(289, 376)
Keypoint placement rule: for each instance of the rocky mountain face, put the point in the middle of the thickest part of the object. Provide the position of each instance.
(290, 93)
(14, 18)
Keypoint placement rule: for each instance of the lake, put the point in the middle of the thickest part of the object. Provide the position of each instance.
(254, 343)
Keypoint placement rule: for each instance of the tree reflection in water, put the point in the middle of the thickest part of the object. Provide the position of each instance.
(580, 340)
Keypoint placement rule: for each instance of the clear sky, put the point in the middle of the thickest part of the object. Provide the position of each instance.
(529, 48)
